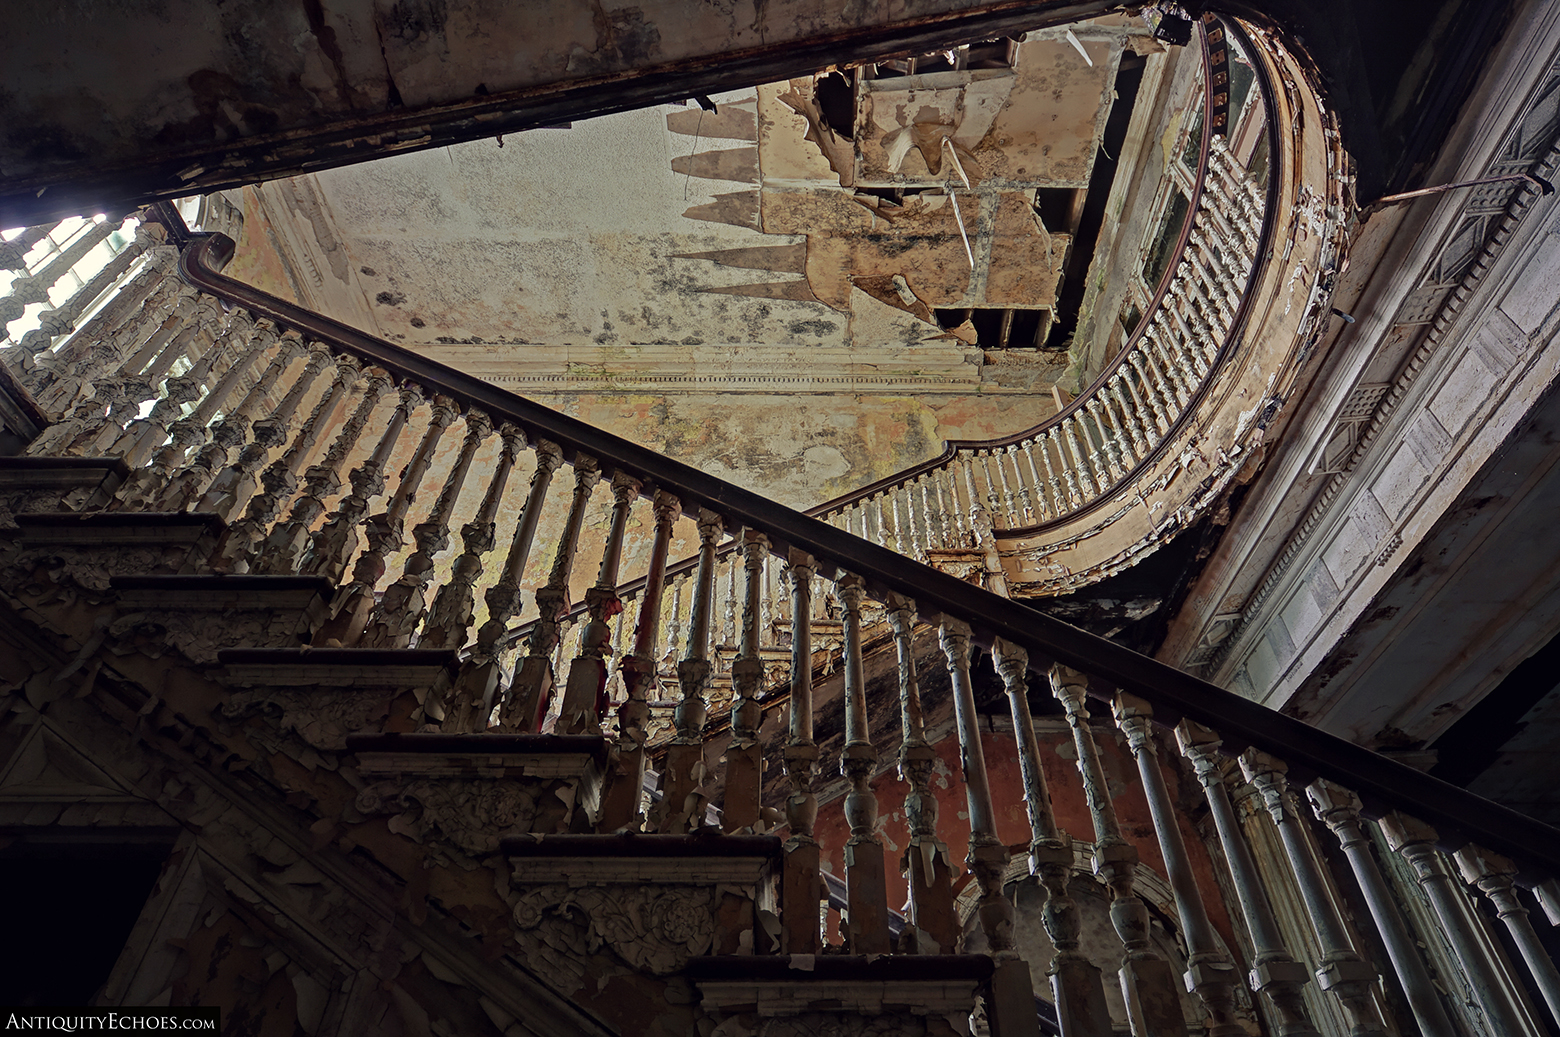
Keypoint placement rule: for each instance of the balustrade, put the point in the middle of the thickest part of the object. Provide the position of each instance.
(718, 625)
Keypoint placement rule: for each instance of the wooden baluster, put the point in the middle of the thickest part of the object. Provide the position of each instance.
(1027, 510)
(395, 618)
(1059, 504)
(1171, 374)
(238, 545)
(531, 689)
(1119, 384)
(728, 623)
(1151, 391)
(13, 253)
(61, 320)
(683, 792)
(143, 435)
(995, 505)
(865, 884)
(1147, 985)
(1495, 876)
(947, 493)
(623, 793)
(1274, 972)
(476, 686)
(800, 875)
(1415, 841)
(1102, 425)
(59, 378)
(386, 534)
(191, 481)
(741, 807)
(1339, 809)
(934, 924)
(232, 487)
(1068, 469)
(455, 606)
(674, 620)
(33, 287)
(147, 482)
(331, 546)
(1076, 986)
(1343, 972)
(1210, 973)
(988, 857)
(282, 552)
(904, 522)
(888, 526)
(584, 698)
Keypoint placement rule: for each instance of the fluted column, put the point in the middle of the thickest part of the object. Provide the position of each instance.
(800, 878)
(1210, 973)
(1077, 989)
(585, 693)
(399, 611)
(533, 683)
(1339, 809)
(1343, 973)
(622, 794)
(1147, 985)
(1274, 972)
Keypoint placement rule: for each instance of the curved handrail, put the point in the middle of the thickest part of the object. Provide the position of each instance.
(953, 447)
(1382, 784)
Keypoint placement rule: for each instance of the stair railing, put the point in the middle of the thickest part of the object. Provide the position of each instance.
(205, 402)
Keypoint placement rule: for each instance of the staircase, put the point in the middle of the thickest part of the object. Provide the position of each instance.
(391, 807)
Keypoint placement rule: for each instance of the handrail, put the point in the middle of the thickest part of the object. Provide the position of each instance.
(1382, 784)
(952, 447)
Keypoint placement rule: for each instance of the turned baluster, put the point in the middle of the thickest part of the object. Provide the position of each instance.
(330, 547)
(683, 795)
(946, 494)
(1059, 505)
(1343, 972)
(454, 607)
(1103, 427)
(148, 481)
(1415, 841)
(13, 253)
(913, 535)
(232, 487)
(470, 700)
(531, 690)
(800, 876)
(674, 620)
(190, 482)
(79, 363)
(1495, 876)
(1081, 487)
(105, 412)
(1076, 986)
(622, 794)
(143, 435)
(61, 319)
(385, 533)
(1339, 809)
(1118, 388)
(988, 857)
(1151, 389)
(933, 923)
(584, 698)
(140, 379)
(400, 609)
(865, 885)
(1210, 973)
(34, 287)
(282, 551)
(1147, 985)
(1274, 972)
(238, 546)
(1093, 461)
(1171, 374)
(741, 805)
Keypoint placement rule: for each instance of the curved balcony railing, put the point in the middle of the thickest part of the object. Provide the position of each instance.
(1095, 449)
(185, 396)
